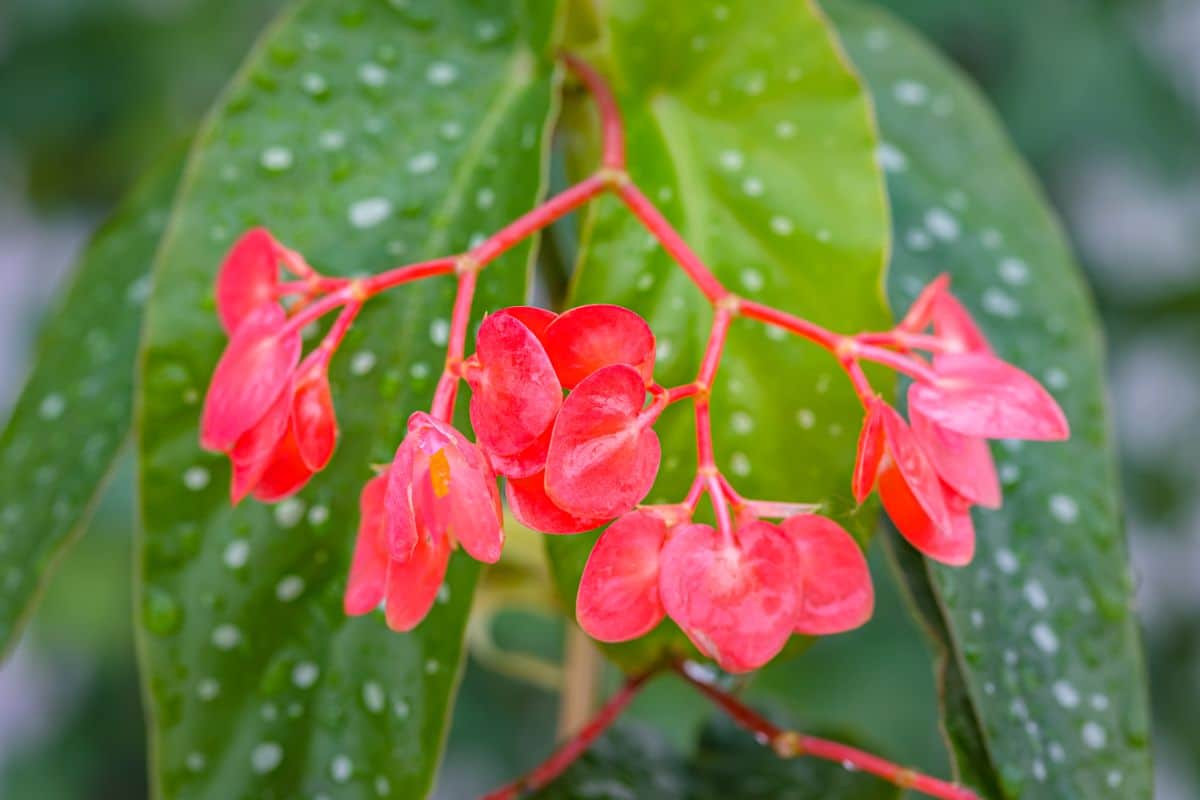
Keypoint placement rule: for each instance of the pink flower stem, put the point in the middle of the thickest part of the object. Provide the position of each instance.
(447, 388)
(337, 331)
(790, 744)
(913, 367)
(407, 274)
(548, 212)
(317, 310)
(862, 386)
(574, 747)
(671, 241)
(677, 393)
(706, 464)
(612, 129)
(791, 323)
(903, 340)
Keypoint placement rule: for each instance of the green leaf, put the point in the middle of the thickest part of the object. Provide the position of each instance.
(1044, 685)
(634, 761)
(74, 414)
(363, 135)
(728, 763)
(628, 761)
(747, 127)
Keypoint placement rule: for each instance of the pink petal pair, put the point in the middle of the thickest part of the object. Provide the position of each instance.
(248, 277)
(571, 464)
(891, 457)
(738, 602)
(441, 487)
(275, 421)
(407, 586)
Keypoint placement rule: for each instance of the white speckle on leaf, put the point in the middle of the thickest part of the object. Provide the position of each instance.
(441, 73)
(732, 160)
(369, 212)
(196, 478)
(266, 757)
(237, 553)
(305, 674)
(372, 74)
(999, 303)
(362, 362)
(423, 163)
(910, 93)
(1064, 508)
(942, 224)
(52, 406)
(1006, 560)
(1066, 694)
(891, 158)
(289, 513)
(1014, 271)
(1044, 637)
(1094, 735)
(1035, 593)
(782, 226)
(276, 158)
(226, 637)
(289, 588)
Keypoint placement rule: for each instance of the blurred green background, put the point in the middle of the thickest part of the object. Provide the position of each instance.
(1103, 97)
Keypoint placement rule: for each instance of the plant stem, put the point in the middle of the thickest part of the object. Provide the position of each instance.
(581, 674)
(611, 128)
(790, 744)
(574, 747)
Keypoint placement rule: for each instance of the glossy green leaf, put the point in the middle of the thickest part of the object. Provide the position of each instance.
(747, 127)
(1044, 685)
(633, 761)
(363, 135)
(628, 761)
(74, 414)
(729, 763)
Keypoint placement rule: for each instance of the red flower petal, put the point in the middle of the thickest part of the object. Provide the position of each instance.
(534, 318)
(313, 416)
(453, 489)
(531, 506)
(413, 583)
(247, 278)
(525, 463)
(920, 313)
(602, 459)
(286, 473)
(256, 366)
(618, 593)
(587, 338)
(367, 584)
(737, 602)
(953, 323)
(514, 391)
(963, 462)
(870, 451)
(837, 593)
(953, 543)
(979, 395)
(255, 448)
(915, 467)
(401, 526)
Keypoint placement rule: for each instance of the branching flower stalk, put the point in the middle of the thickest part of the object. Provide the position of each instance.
(563, 407)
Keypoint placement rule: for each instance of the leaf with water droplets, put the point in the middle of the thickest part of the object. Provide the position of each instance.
(74, 414)
(633, 761)
(750, 132)
(1043, 685)
(360, 134)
